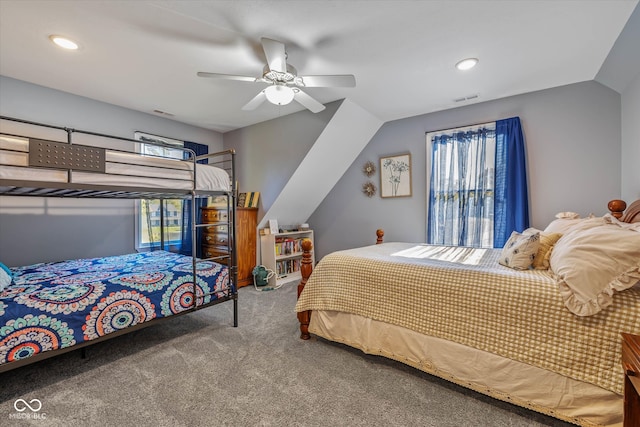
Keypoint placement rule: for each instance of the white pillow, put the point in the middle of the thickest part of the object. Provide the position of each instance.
(564, 225)
(520, 250)
(629, 225)
(5, 277)
(591, 263)
(567, 215)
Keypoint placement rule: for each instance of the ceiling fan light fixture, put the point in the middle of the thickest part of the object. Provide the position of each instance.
(279, 94)
(283, 82)
(467, 64)
(63, 42)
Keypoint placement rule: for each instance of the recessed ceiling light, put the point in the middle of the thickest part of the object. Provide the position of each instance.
(63, 42)
(467, 64)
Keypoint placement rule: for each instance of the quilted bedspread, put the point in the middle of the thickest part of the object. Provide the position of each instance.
(464, 295)
(56, 305)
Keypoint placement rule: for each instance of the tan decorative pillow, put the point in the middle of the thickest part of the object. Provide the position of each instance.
(547, 240)
(520, 250)
(591, 264)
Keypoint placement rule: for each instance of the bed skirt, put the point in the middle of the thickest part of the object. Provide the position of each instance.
(511, 381)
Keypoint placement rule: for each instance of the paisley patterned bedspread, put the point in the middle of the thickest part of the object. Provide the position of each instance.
(56, 305)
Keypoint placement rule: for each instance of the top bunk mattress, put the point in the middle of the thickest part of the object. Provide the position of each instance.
(120, 169)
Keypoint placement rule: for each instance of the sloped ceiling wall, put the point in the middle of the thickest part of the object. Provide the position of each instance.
(349, 131)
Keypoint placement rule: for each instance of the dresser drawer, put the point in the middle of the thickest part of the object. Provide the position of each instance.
(215, 251)
(216, 239)
(214, 215)
(211, 229)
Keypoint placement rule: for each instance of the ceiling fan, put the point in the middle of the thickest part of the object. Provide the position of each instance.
(284, 82)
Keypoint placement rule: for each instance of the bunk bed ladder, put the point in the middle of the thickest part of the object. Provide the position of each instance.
(231, 258)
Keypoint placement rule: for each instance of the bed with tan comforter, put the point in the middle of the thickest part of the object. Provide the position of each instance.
(458, 314)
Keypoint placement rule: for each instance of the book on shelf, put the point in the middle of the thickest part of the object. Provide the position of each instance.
(242, 197)
(252, 199)
(288, 245)
(290, 266)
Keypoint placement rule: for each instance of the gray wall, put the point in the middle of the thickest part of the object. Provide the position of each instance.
(38, 229)
(631, 141)
(270, 152)
(572, 134)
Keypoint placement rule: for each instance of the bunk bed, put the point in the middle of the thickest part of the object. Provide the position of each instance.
(51, 308)
(515, 335)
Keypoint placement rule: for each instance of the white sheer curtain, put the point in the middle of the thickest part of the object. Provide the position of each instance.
(461, 186)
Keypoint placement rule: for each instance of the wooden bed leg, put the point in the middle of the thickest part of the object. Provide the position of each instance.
(83, 353)
(304, 317)
(380, 234)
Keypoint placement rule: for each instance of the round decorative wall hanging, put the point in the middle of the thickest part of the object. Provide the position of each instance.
(369, 189)
(369, 168)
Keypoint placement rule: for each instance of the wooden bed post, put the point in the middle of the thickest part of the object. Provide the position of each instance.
(304, 317)
(617, 207)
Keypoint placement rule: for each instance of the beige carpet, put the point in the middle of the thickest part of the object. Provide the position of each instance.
(198, 370)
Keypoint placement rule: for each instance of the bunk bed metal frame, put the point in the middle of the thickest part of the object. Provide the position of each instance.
(35, 188)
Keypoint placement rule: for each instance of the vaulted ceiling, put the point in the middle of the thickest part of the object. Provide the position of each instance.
(144, 55)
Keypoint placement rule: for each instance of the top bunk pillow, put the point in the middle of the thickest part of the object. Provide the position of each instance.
(5, 277)
(592, 262)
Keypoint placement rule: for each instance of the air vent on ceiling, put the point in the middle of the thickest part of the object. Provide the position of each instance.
(466, 98)
(164, 113)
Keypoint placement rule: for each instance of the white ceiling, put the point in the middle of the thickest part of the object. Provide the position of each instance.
(144, 55)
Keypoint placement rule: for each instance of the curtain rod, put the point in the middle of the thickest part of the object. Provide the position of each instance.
(458, 127)
(465, 126)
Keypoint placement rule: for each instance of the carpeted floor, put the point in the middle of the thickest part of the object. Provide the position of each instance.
(198, 370)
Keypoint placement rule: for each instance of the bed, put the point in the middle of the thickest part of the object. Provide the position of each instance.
(525, 336)
(50, 308)
(53, 307)
(104, 163)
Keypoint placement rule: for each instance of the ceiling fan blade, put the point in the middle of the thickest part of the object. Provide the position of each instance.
(307, 101)
(227, 77)
(275, 53)
(255, 102)
(338, 80)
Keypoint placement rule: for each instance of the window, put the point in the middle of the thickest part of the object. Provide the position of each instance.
(478, 192)
(148, 223)
(461, 186)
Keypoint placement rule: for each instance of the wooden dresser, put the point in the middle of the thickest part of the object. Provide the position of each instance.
(215, 238)
(631, 366)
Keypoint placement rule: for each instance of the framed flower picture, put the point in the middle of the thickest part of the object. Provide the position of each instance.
(395, 176)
